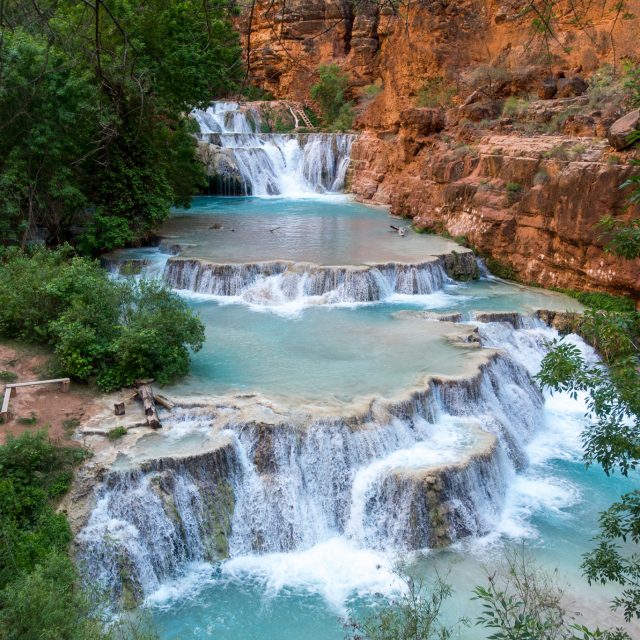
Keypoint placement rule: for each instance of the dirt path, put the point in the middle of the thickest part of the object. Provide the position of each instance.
(36, 407)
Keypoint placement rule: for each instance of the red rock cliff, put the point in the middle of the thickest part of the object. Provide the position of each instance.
(526, 187)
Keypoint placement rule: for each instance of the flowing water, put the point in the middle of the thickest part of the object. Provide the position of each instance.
(353, 405)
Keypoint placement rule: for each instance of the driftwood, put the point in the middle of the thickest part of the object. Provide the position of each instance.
(146, 394)
(163, 401)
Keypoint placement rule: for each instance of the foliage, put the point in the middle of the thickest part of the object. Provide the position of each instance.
(116, 433)
(40, 594)
(612, 439)
(329, 93)
(33, 472)
(69, 426)
(522, 602)
(370, 91)
(413, 614)
(8, 376)
(251, 92)
(114, 331)
(631, 83)
(95, 144)
(601, 301)
(623, 236)
(513, 187)
(501, 269)
(514, 106)
(436, 92)
(313, 118)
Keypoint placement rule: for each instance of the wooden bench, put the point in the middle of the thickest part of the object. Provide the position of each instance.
(10, 390)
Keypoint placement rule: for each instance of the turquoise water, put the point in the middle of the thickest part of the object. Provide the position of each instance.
(324, 354)
(336, 354)
(329, 231)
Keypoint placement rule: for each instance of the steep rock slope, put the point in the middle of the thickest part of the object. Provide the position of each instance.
(524, 181)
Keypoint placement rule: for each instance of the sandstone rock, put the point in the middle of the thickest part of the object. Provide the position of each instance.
(548, 88)
(569, 87)
(481, 110)
(422, 121)
(622, 128)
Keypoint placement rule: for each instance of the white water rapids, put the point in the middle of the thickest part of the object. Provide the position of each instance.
(266, 164)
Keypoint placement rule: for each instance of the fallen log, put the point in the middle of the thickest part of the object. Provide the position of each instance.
(163, 401)
(146, 395)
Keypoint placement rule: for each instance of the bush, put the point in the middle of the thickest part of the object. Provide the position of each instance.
(631, 83)
(33, 473)
(329, 92)
(523, 602)
(113, 331)
(8, 376)
(413, 614)
(370, 91)
(116, 433)
(514, 106)
(40, 593)
(436, 93)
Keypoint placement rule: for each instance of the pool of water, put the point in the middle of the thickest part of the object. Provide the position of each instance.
(333, 355)
(323, 355)
(329, 231)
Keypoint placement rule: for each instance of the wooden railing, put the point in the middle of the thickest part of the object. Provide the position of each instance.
(10, 390)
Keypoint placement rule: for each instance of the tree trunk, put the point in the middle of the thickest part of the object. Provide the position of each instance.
(146, 394)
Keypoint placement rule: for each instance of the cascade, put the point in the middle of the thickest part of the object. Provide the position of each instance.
(278, 282)
(433, 469)
(243, 161)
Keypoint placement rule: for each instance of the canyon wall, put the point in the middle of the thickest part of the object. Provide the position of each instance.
(520, 169)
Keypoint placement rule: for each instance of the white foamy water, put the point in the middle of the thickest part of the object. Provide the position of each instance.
(291, 165)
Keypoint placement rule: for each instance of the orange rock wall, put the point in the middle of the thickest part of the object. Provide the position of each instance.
(545, 231)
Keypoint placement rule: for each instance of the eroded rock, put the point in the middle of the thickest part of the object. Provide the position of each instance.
(621, 130)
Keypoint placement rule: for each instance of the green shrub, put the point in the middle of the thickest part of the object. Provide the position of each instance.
(514, 191)
(69, 426)
(541, 177)
(33, 472)
(30, 421)
(8, 376)
(631, 83)
(311, 114)
(370, 91)
(435, 93)
(415, 614)
(501, 269)
(40, 593)
(116, 433)
(329, 93)
(113, 331)
(514, 106)
(251, 92)
(601, 301)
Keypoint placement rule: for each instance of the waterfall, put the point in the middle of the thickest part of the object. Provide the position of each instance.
(427, 471)
(243, 161)
(273, 283)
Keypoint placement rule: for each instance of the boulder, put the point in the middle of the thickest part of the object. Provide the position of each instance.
(548, 88)
(422, 121)
(622, 128)
(483, 110)
(569, 87)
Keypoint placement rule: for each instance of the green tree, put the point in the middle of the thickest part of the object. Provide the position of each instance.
(412, 615)
(329, 93)
(612, 439)
(522, 602)
(94, 135)
(41, 597)
(113, 331)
